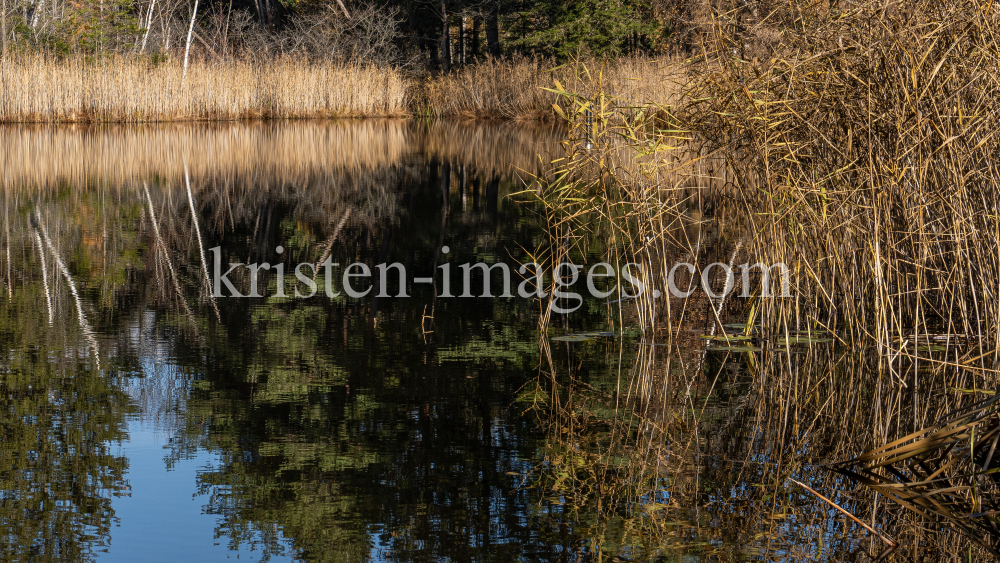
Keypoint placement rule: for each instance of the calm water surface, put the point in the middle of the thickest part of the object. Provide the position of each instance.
(156, 424)
(144, 420)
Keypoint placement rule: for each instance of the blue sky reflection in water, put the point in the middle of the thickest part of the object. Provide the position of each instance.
(162, 519)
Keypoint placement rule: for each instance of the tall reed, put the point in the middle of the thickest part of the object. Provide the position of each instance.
(123, 89)
(519, 88)
(859, 150)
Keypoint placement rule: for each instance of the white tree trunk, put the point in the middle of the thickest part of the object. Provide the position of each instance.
(38, 11)
(45, 273)
(88, 332)
(149, 25)
(187, 49)
(165, 29)
(201, 246)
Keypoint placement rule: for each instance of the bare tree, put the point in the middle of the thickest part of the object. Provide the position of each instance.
(187, 49)
(461, 40)
(369, 36)
(474, 38)
(344, 8)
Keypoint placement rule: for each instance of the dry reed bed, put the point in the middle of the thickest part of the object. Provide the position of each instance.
(37, 89)
(860, 150)
(132, 90)
(517, 89)
(866, 160)
(862, 153)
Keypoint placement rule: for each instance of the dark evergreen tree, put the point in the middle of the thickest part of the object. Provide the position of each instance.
(563, 28)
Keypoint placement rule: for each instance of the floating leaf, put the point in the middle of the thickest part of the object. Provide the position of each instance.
(722, 338)
(533, 396)
(735, 349)
(580, 336)
(572, 338)
(803, 339)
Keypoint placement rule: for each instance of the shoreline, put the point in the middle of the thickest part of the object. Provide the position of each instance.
(136, 90)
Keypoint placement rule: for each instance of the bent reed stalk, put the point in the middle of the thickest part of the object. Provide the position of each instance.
(858, 147)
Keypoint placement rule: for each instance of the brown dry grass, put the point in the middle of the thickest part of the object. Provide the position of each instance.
(129, 90)
(515, 89)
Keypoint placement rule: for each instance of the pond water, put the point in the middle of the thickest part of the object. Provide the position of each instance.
(145, 419)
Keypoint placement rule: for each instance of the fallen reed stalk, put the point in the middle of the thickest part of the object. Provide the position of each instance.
(888, 541)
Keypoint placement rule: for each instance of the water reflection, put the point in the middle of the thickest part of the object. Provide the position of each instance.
(337, 429)
(60, 416)
(259, 155)
(658, 451)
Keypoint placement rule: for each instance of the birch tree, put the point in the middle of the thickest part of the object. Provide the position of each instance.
(187, 48)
